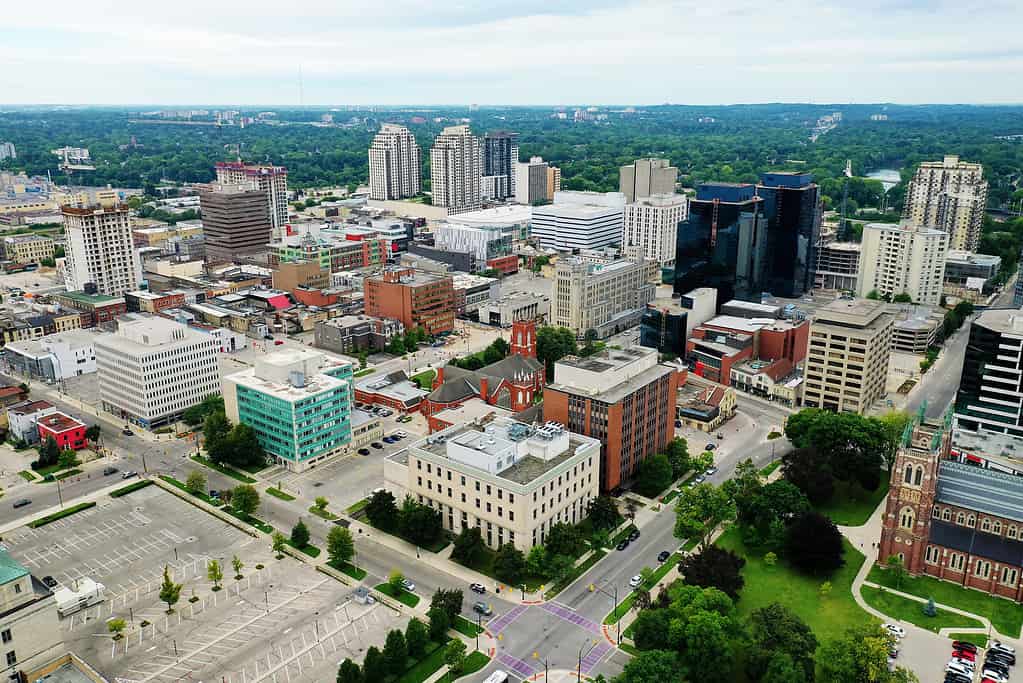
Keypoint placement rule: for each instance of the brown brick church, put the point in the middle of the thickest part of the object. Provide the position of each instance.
(952, 520)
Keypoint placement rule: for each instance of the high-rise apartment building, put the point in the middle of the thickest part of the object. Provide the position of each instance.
(579, 220)
(990, 396)
(273, 180)
(645, 177)
(298, 402)
(722, 242)
(394, 163)
(607, 297)
(950, 195)
(99, 249)
(500, 154)
(1017, 294)
(650, 227)
(456, 170)
(792, 206)
(847, 360)
(553, 181)
(235, 221)
(152, 369)
(531, 181)
(903, 259)
(624, 398)
(7, 151)
(416, 298)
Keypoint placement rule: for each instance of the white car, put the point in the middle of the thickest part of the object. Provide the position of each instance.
(400, 433)
(955, 667)
(895, 630)
(998, 645)
(408, 585)
(635, 581)
(964, 663)
(993, 675)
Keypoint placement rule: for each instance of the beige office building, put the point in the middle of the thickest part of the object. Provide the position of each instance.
(511, 480)
(950, 195)
(606, 297)
(236, 221)
(100, 249)
(29, 627)
(650, 227)
(394, 165)
(27, 248)
(903, 259)
(645, 177)
(847, 362)
(456, 170)
(553, 181)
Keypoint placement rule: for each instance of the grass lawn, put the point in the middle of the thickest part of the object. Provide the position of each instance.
(766, 471)
(425, 379)
(364, 372)
(67, 473)
(66, 512)
(223, 469)
(575, 574)
(349, 569)
(253, 469)
(322, 514)
(615, 615)
(198, 494)
(401, 595)
(357, 506)
(828, 617)
(978, 639)
(52, 469)
(442, 541)
(905, 609)
(27, 476)
(1005, 615)
(258, 523)
(277, 493)
(466, 627)
(661, 571)
(851, 505)
(309, 549)
(671, 495)
(125, 490)
(425, 667)
(473, 663)
(485, 565)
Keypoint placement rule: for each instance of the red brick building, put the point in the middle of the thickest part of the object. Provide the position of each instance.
(726, 341)
(68, 432)
(508, 265)
(95, 309)
(415, 298)
(951, 520)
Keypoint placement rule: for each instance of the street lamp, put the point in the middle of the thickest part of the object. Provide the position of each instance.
(479, 627)
(614, 596)
(579, 670)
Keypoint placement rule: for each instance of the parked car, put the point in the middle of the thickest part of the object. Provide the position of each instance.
(49, 581)
(400, 434)
(678, 424)
(386, 413)
(408, 585)
(635, 581)
(22, 502)
(129, 474)
(699, 479)
(214, 493)
(998, 645)
(377, 445)
(482, 608)
(278, 342)
(964, 645)
(895, 630)
(663, 556)
(710, 446)
(107, 471)
(623, 545)
(477, 588)
(710, 471)
(268, 337)
(387, 439)
(363, 451)
(996, 676)
(127, 432)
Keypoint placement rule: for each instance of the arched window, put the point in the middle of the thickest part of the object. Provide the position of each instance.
(1011, 532)
(908, 477)
(936, 512)
(919, 478)
(961, 518)
(985, 524)
(982, 569)
(933, 553)
(971, 521)
(996, 528)
(946, 514)
(907, 517)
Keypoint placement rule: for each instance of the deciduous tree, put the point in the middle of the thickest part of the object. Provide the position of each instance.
(714, 567)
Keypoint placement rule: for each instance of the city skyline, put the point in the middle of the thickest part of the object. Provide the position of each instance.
(909, 52)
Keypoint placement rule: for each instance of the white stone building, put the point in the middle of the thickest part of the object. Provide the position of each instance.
(100, 249)
(650, 227)
(394, 164)
(902, 259)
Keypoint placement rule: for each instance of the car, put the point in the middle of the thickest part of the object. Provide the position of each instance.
(710, 446)
(895, 630)
(408, 585)
(22, 502)
(678, 424)
(400, 434)
(663, 556)
(633, 535)
(953, 677)
(359, 404)
(127, 432)
(477, 588)
(497, 677)
(214, 493)
(710, 471)
(995, 665)
(623, 545)
(278, 342)
(996, 676)
(377, 445)
(985, 679)
(107, 471)
(129, 474)
(964, 662)
(964, 654)
(387, 439)
(957, 668)
(998, 645)
(699, 479)
(1002, 654)
(363, 451)
(482, 608)
(268, 337)
(386, 413)
(964, 645)
(997, 662)
(49, 582)
(635, 581)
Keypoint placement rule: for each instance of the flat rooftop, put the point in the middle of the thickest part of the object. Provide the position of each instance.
(82, 297)
(1005, 321)
(609, 359)
(860, 313)
(473, 409)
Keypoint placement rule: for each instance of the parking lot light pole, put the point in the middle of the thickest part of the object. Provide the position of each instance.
(479, 627)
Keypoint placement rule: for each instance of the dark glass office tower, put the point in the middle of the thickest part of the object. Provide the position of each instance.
(663, 327)
(991, 386)
(792, 207)
(721, 244)
(500, 154)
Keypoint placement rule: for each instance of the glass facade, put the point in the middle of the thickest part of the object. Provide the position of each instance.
(792, 208)
(991, 384)
(663, 330)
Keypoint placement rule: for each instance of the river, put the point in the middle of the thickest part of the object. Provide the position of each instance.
(889, 177)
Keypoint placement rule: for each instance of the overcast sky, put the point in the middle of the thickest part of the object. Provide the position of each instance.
(510, 52)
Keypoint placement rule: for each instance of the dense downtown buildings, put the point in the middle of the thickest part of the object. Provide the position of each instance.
(792, 206)
(624, 398)
(394, 164)
(236, 221)
(27, 248)
(948, 195)
(579, 220)
(902, 259)
(650, 227)
(100, 253)
(645, 177)
(271, 180)
(415, 298)
(500, 155)
(298, 402)
(604, 297)
(456, 166)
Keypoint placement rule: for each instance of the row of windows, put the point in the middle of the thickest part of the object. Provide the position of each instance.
(987, 524)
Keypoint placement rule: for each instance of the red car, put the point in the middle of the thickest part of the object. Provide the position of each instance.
(964, 654)
(964, 645)
(278, 342)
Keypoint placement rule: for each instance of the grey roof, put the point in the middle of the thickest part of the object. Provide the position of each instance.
(461, 384)
(969, 540)
(980, 489)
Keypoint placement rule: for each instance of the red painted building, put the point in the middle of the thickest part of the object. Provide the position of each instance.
(68, 432)
(725, 341)
(509, 265)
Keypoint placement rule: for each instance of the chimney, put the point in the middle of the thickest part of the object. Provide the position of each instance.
(483, 388)
(439, 379)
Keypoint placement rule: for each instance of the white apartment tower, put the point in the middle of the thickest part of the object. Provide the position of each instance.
(650, 228)
(950, 195)
(394, 164)
(152, 369)
(903, 259)
(273, 180)
(100, 250)
(456, 169)
(531, 181)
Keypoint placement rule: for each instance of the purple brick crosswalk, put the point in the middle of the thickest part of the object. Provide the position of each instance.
(503, 621)
(591, 660)
(572, 617)
(520, 667)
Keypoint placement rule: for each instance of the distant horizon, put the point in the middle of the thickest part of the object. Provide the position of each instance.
(4, 106)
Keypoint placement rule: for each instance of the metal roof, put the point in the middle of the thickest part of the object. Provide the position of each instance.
(980, 489)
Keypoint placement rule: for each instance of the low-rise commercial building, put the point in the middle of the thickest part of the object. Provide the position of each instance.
(68, 432)
(55, 357)
(774, 380)
(916, 329)
(394, 390)
(510, 480)
(142, 301)
(28, 248)
(366, 428)
(289, 275)
(23, 419)
(298, 402)
(472, 291)
(21, 327)
(95, 308)
(353, 333)
(961, 266)
(705, 408)
(515, 306)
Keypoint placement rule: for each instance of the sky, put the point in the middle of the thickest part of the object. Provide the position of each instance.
(510, 52)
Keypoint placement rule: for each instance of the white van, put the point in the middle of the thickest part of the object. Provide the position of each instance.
(497, 677)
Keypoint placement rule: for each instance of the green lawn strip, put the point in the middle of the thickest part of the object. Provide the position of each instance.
(223, 469)
(322, 514)
(851, 505)
(125, 490)
(67, 473)
(690, 544)
(51, 469)
(442, 541)
(258, 523)
(364, 372)
(615, 615)
(349, 569)
(484, 564)
(1005, 615)
(631, 649)
(829, 617)
(978, 639)
(277, 493)
(425, 379)
(357, 506)
(253, 469)
(672, 495)
(425, 667)
(663, 570)
(309, 549)
(27, 476)
(593, 559)
(66, 512)
(401, 595)
(904, 609)
(466, 627)
(766, 471)
(198, 494)
(623, 534)
(473, 663)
